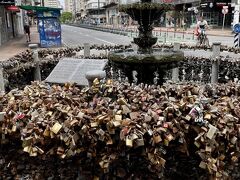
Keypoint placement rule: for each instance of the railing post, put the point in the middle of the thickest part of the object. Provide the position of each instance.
(215, 62)
(86, 49)
(92, 75)
(37, 71)
(2, 86)
(175, 71)
(165, 38)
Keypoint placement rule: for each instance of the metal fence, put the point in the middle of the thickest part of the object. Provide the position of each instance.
(164, 36)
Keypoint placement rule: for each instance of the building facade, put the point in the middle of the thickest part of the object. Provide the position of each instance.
(68, 5)
(11, 21)
(77, 7)
(52, 3)
(95, 11)
(185, 14)
(80, 10)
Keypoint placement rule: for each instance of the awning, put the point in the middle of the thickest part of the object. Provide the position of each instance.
(13, 8)
(38, 8)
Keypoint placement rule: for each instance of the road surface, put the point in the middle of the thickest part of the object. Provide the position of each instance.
(73, 36)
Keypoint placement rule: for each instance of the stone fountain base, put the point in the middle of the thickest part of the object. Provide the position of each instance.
(144, 68)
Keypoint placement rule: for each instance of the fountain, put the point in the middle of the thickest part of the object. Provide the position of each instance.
(146, 65)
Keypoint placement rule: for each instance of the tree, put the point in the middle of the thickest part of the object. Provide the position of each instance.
(66, 16)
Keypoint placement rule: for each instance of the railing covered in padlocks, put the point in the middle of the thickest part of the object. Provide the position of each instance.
(18, 71)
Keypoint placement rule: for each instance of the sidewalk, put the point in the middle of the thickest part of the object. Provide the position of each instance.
(18, 44)
(212, 32)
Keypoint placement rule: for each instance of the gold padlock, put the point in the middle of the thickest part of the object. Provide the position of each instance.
(129, 142)
(157, 138)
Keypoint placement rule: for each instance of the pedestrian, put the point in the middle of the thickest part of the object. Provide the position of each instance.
(27, 32)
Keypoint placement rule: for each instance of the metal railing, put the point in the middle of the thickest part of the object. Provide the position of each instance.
(164, 36)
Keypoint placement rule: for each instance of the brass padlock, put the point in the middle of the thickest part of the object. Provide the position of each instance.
(157, 138)
(129, 141)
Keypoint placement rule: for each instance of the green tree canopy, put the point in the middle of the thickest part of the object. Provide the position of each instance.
(66, 16)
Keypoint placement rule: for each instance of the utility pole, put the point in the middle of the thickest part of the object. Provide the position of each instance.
(99, 11)
(74, 9)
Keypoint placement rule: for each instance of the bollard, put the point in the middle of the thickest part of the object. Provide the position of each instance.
(86, 49)
(37, 71)
(2, 87)
(165, 37)
(215, 62)
(176, 46)
(175, 71)
(92, 75)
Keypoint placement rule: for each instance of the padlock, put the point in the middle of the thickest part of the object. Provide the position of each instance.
(129, 141)
(157, 138)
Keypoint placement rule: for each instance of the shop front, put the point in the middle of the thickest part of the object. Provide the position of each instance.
(212, 11)
(184, 15)
(8, 20)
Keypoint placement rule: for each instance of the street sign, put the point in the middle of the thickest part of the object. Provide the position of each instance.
(224, 11)
(236, 28)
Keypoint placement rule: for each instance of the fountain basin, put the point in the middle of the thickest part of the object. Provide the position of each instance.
(157, 56)
(149, 68)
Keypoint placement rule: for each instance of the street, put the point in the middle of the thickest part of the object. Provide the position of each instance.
(73, 36)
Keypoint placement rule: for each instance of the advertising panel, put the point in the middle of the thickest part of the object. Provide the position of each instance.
(49, 29)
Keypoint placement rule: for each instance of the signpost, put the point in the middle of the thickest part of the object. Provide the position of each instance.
(236, 29)
(224, 11)
(236, 14)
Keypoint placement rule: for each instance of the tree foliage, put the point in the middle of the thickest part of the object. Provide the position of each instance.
(66, 16)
